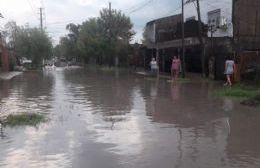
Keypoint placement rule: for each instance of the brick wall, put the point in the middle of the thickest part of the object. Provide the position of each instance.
(247, 24)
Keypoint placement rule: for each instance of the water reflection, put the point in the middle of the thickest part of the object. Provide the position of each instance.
(243, 142)
(2, 134)
(30, 92)
(107, 119)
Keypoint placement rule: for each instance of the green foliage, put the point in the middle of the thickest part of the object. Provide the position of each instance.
(98, 40)
(115, 25)
(30, 119)
(91, 44)
(241, 91)
(67, 47)
(30, 43)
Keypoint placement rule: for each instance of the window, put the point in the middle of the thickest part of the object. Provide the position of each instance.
(214, 18)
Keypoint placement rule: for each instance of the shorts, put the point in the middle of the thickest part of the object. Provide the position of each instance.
(229, 72)
(176, 70)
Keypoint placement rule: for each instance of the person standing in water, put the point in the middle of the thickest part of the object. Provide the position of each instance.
(229, 70)
(175, 68)
(154, 66)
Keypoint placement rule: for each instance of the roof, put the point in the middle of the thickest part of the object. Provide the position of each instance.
(172, 17)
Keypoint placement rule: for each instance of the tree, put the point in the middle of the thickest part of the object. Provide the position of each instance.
(40, 46)
(99, 40)
(115, 25)
(91, 43)
(30, 43)
(117, 28)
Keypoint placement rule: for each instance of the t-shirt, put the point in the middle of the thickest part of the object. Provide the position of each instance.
(153, 65)
(176, 64)
(230, 66)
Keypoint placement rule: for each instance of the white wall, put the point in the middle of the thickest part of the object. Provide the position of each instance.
(210, 5)
(150, 32)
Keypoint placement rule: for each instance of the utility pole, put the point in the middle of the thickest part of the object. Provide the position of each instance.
(109, 21)
(41, 19)
(201, 41)
(110, 8)
(234, 25)
(110, 33)
(1, 16)
(183, 44)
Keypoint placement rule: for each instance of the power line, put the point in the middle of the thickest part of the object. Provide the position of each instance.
(170, 12)
(62, 22)
(141, 7)
(136, 6)
(31, 6)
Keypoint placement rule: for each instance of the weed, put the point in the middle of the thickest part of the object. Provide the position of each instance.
(31, 119)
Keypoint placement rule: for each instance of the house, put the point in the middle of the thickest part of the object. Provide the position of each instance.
(216, 14)
(227, 27)
(163, 39)
(246, 22)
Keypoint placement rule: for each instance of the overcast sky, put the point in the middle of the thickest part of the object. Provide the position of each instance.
(58, 13)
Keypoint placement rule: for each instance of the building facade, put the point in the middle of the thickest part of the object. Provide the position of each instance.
(227, 26)
(216, 14)
(246, 24)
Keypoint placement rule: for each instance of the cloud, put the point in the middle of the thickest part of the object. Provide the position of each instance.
(58, 13)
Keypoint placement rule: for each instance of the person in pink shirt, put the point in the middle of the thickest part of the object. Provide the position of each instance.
(175, 69)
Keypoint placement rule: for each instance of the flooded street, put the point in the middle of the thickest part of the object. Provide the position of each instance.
(121, 120)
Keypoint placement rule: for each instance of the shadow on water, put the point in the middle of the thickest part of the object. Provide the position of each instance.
(117, 119)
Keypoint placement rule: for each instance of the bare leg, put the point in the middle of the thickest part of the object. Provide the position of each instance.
(229, 80)
(176, 74)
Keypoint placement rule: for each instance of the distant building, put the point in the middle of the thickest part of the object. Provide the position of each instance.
(217, 14)
(227, 27)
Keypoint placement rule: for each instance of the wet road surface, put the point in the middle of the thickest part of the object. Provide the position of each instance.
(120, 120)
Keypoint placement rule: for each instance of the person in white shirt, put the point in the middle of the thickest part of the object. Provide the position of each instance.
(154, 66)
(229, 70)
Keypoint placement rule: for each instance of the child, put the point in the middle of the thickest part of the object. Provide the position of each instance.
(229, 70)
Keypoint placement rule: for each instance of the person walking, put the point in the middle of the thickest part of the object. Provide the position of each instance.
(175, 68)
(229, 70)
(154, 66)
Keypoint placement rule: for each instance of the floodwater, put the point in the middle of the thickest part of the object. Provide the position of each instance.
(121, 120)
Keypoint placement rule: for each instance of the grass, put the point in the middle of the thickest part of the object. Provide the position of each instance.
(181, 80)
(24, 119)
(241, 91)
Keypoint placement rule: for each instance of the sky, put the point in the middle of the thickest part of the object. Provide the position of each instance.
(58, 13)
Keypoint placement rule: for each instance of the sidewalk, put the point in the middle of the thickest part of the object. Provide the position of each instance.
(148, 73)
(195, 77)
(8, 75)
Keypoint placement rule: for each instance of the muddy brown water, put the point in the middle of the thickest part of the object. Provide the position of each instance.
(121, 120)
